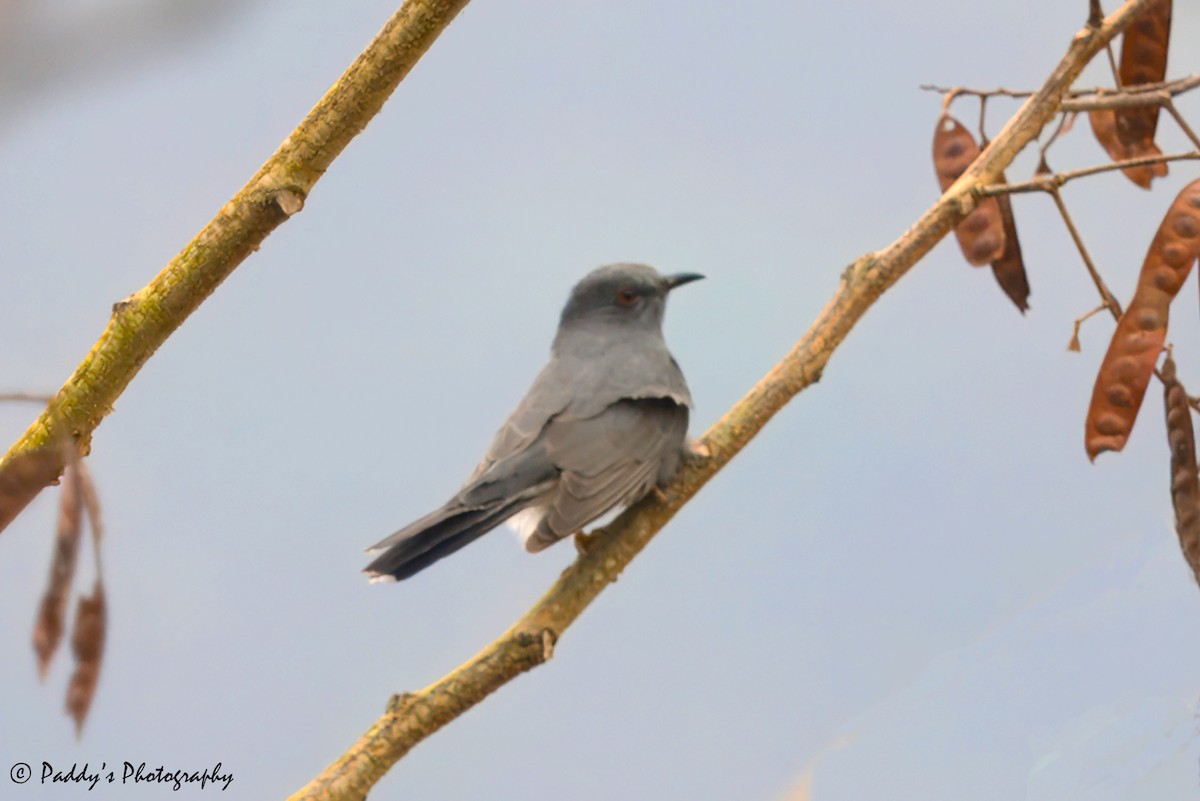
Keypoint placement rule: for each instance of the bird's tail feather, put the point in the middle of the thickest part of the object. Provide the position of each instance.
(411, 550)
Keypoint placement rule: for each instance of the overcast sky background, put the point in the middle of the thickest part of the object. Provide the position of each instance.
(912, 585)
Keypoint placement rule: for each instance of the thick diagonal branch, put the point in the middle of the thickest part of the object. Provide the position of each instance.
(143, 321)
(413, 717)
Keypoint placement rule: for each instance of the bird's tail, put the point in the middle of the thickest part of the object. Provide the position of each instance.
(420, 544)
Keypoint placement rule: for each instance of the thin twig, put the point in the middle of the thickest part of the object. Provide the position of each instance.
(411, 718)
(1169, 105)
(1051, 183)
(1117, 100)
(24, 397)
(1073, 345)
(1112, 65)
(1058, 129)
(1106, 296)
(949, 98)
(1082, 99)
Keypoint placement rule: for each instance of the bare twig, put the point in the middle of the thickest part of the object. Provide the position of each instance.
(949, 98)
(1133, 98)
(1169, 105)
(142, 322)
(1051, 183)
(1085, 99)
(1106, 296)
(411, 718)
(23, 397)
(1112, 65)
(1058, 129)
(1073, 345)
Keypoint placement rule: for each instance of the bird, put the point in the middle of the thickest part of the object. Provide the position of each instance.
(603, 424)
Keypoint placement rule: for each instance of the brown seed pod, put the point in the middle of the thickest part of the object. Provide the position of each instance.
(87, 641)
(48, 630)
(1144, 60)
(1104, 128)
(1142, 330)
(1185, 480)
(91, 502)
(1009, 269)
(981, 233)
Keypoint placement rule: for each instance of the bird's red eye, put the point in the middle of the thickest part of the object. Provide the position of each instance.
(626, 297)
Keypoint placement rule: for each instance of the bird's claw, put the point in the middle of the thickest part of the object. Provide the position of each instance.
(584, 542)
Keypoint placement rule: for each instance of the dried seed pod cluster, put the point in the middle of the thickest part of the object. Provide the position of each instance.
(1125, 372)
(981, 234)
(1185, 480)
(79, 497)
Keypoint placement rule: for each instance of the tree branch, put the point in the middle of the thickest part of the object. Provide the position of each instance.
(410, 718)
(143, 321)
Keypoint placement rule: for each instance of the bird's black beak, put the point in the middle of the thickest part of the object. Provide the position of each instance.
(679, 279)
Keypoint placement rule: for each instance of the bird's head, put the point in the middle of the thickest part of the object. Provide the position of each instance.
(627, 295)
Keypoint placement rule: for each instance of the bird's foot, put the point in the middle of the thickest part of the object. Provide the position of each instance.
(696, 450)
(584, 542)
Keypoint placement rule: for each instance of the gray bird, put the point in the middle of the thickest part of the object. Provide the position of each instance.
(604, 422)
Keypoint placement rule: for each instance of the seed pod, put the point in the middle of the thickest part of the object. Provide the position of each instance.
(48, 630)
(87, 641)
(1104, 128)
(1185, 481)
(1125, 372)
(1009, 269)
(981, 233)
(1144, 60)
(91, 502)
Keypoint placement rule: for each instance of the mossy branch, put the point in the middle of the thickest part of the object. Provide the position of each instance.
(143, 321)
(411, 718)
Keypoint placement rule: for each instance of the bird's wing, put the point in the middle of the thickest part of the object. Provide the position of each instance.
(611, 458)
(549, 396)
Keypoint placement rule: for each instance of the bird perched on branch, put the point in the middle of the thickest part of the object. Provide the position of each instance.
(604, 423)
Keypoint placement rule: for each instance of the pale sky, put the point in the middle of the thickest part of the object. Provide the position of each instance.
(912, 585)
